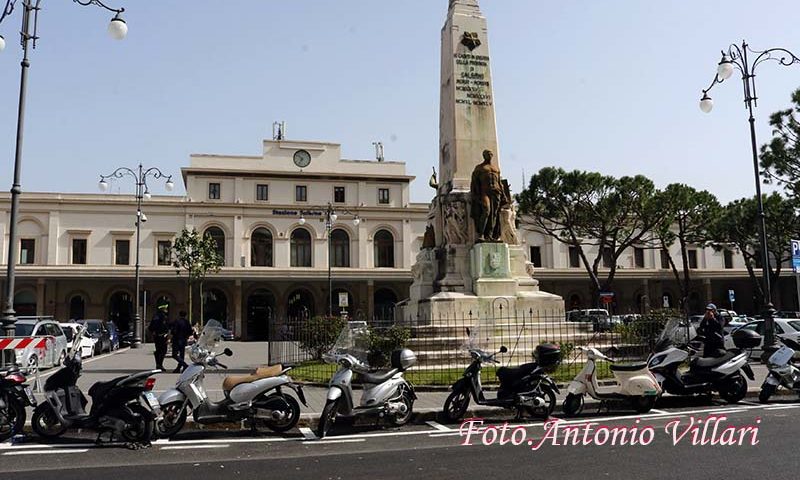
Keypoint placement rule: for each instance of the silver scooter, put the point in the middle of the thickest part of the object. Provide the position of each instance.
(782, 371)
(386, 393)
(258, 397)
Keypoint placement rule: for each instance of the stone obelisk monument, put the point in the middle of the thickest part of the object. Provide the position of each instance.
(471, 262)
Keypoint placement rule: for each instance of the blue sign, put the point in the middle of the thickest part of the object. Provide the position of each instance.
(796, 256)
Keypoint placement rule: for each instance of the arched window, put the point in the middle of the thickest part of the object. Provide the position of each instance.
(215, 306)
(300, 305)
(340, 248)
(120, 310)
(219, 237)
(25, 303)
(301, 248)
(384, 249)
(261, 248)
(77, 308)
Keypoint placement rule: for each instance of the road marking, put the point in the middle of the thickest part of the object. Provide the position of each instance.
(438, 426)
(343, 440)
(46, 452)
(749, 403)
(307, 433)
(192, 447)
(659, 412)
(224, 440)
(782, 407)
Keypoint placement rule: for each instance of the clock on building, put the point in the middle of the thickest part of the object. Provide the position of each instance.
(302, 158)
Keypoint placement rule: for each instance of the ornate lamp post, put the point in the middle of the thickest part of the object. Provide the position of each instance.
(739, 58)
(142, 192)
(28, 36)
(331, 216)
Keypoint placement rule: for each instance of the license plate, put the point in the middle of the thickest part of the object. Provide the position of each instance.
(30, 396)
(152, 401)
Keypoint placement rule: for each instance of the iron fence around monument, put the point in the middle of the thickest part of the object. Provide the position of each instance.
(441, 345)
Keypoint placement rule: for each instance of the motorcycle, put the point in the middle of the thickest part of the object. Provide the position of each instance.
(633, 383)
(705, 375)
(258, 398)
(124, 407)
(525, 388)
(782, 372)
(15, 396)
(386, 393)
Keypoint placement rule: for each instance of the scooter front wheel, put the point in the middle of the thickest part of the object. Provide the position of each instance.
(172, 420)
(327, 418)
(46, 423)
(573, 405)
(766, 391)
(455, 406)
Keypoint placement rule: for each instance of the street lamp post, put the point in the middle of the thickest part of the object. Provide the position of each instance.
(28, 37)
(331, 216)
(737, 58)
(142, 192)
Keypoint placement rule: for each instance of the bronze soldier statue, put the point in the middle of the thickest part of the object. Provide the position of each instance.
(487, 196)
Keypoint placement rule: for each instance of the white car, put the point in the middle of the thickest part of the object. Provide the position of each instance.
(87, 344)
(785, 327)
(40, 327)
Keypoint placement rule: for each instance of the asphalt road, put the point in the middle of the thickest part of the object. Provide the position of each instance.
(435, 451)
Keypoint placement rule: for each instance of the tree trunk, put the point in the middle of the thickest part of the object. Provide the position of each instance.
(202, 320)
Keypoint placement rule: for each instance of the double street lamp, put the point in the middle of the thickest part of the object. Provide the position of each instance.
(738, 58)
(118, 29)
(331, 216)
(140, 175)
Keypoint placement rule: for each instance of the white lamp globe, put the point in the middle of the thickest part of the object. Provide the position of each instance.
(144, 217)
(302, 221)
(725, 68)
(170, 186)
(147, 195)
(102, 185)
(334, 217)
(706, 104)
(356, 221)
(117, 28)
(2, 43)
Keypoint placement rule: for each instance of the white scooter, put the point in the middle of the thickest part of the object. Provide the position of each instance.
(634, 383)
(782, 372)
(385, 393)
(257, 398)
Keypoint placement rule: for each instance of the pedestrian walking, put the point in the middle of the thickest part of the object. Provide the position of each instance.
(711, 329)
(181, 331)
(160, 330)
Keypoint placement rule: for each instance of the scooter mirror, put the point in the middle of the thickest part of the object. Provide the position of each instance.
(468, 334)
(228, 352)
(503, 349)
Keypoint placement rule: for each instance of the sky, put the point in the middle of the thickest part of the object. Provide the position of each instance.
(609, 86)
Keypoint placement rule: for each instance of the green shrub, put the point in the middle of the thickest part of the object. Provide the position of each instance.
(383, 341)
(318, 335)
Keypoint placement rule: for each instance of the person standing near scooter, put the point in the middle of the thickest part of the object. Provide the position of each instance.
(160, 330)
(711, 329)
(181, 331)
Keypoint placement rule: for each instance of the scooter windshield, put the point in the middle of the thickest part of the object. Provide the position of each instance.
(208, 341)
(677, 331)
(353, 340)
(481, 336)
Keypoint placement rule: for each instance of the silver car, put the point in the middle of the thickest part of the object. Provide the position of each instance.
(31, 357)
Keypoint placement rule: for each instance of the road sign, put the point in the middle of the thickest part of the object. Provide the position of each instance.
(731, 296)
(343, 299)
(665, 300)
(607, 297)
(796, 256)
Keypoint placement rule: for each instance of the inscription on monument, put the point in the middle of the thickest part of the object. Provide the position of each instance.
(473, 87)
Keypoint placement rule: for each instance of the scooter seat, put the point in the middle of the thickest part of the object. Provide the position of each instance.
(509, 375)
(628, 368)
(232, 381)
(101, 389)
(378, 377)
(711, 362)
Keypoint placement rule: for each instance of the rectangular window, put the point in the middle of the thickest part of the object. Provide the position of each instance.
(27, 251)
(338, 194)
(664, 258)
(214, 191)
(574, 257)
(79, 251)
(728, 258)
(638, 257)
(692, 258)
(300, 193)
(122, 252)
(383, 196)
(536, 256)
(262, 193)
(608, 257)
(164, 252)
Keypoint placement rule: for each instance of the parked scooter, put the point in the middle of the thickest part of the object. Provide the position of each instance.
(633, 383)
(14, 397)
(705, 375)
(526, 388)
(385, 393)
(782, 372)
(258, 398)
(124, 407)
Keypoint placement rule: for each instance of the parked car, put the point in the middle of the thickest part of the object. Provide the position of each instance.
(787, 314)
(586, 315)
(87, 342)
(31, 357)
(98, 329)
(695, 318)
(114, 334)
(787, 328)
(227, 335)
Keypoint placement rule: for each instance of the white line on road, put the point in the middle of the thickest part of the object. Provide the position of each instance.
(438, 426)
(192, 447)
(46, 452)
(660, 412)
(224, 440)
(782, 407)
(307, 433)
(749, 403)
(326, 441)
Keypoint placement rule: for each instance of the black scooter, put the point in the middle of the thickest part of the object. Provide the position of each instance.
(125, 408)
(14, 397)
(526, 388)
